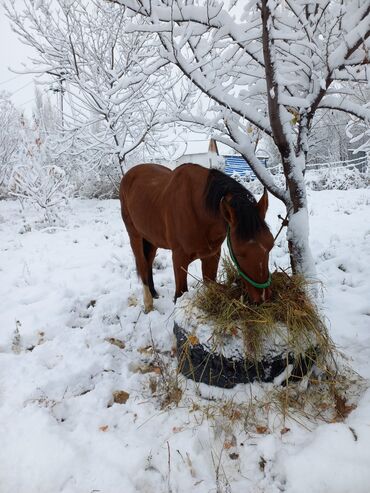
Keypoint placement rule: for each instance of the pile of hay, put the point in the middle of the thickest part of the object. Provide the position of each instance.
(219, 317)
(290, 316)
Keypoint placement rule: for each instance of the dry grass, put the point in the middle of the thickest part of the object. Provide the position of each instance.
(290, 315)
(328, 392)
(328, 400)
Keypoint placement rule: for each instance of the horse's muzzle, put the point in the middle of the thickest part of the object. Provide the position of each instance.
(257, 295)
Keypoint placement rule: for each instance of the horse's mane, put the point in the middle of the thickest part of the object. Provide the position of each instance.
(242, 201)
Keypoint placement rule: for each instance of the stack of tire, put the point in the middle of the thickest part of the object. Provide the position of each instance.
(201, 361)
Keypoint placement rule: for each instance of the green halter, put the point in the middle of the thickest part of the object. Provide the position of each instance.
(238, 268)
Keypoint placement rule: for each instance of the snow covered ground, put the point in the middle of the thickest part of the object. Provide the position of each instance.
(70, 294)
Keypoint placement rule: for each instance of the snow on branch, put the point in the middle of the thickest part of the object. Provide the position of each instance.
(106, 76)
(350, 107)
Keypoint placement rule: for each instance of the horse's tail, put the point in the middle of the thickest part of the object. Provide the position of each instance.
(130, 225)
(122, 201)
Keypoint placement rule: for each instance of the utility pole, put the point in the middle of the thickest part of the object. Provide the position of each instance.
(59, 89)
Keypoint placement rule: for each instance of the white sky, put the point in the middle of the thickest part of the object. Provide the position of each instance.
(13, 54)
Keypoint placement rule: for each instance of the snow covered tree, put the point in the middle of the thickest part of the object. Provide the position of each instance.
(42, 185)
(358, 130)
(10, 123)
(44, 114)
(328, 140)
(108, 107)
(266, 66)
(35, 177)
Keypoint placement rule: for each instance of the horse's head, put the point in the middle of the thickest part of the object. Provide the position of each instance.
(250, 242)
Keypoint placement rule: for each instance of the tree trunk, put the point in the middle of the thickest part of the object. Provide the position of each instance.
(301, 259)
(298, 228)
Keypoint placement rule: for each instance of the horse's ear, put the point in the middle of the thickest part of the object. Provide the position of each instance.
(263, 204)
(227, 212)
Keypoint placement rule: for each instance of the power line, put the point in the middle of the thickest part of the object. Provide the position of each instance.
(26, 102)
(22, 87)
(9, 80)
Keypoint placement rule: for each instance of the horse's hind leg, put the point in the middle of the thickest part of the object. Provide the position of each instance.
(137, 245)
(149, 252)
(138, 248)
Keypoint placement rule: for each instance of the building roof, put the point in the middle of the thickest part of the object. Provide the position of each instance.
(202, 147)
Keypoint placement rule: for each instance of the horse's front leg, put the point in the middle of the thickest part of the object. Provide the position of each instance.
(210, 266)
(181, 263)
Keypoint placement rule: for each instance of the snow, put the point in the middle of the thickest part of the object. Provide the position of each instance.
(65, 291)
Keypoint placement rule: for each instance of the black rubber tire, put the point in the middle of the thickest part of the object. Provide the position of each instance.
(199, 364)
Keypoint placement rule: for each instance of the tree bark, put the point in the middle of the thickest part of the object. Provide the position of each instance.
(298, 228)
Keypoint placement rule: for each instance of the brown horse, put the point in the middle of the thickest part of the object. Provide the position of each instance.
(190, 211)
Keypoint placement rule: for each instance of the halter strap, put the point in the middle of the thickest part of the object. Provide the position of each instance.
(255, 284)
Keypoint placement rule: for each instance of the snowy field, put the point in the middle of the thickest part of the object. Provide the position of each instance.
(69, 295)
